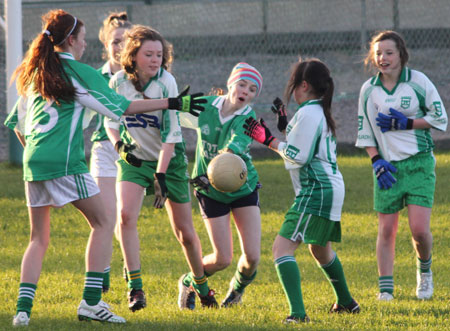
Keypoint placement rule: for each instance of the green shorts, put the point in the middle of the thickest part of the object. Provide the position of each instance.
(310, 229)
(177, 178)
(415, 185)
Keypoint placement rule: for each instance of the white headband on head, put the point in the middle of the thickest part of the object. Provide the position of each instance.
(70, 32)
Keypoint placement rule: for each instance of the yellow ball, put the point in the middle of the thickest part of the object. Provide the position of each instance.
(227, 172)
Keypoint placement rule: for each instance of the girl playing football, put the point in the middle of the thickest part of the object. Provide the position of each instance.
(310, 156)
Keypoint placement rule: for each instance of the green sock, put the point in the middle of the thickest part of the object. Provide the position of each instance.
(106, 282)
(200, 284)
(386, 284)
(336, 277)
(135, 279)
(241, 281)
(424, 265)
(93, 287)
(26, 297)
(289, 275)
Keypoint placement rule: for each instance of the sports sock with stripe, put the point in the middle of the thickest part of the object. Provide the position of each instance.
(26, 297)
(106, 281)
(241, 281)
(135, 279)
(93, 287)
(424, 265)
(335, 275)
(386, 284)
(289, 275)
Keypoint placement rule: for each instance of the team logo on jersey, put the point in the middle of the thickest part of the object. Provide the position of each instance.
(292, 151)
(437, 105)
(360, 122)
(205, 129)
(405, 102)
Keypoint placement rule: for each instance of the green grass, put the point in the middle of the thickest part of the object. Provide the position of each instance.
(61, 284)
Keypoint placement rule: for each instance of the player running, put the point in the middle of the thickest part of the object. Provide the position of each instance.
(219, 129)
(55, 89)
(310, 156)
(103, 156)
(158, 163)
(397, 108)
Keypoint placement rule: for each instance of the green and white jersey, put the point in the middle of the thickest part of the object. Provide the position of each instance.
(310, 150)
(100, 133)
(416, 97)
(54, 133)
(215, 133)
(149, 130)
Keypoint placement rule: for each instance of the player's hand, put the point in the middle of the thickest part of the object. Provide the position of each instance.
(160, 189)
(200, 182)
(189, 103)
(383, 170)
(124, 151)
(395, 121)
(258, 131)
(279, 109)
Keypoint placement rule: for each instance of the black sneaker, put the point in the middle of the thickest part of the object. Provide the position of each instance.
(352, 308)
(186, 295)
(136, 300)
(233, 298)
(296, 320)
(208, 301)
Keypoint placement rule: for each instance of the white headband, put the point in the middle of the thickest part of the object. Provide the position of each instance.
(70, 32)
(47, 32)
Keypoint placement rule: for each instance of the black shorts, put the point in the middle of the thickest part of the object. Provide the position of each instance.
(210, 208)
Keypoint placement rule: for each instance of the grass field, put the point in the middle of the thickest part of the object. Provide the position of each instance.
(61, 283)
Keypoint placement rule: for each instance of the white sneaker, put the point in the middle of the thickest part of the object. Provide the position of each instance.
(21, 319)
(385, 296)
(424, 288)
(99, 312)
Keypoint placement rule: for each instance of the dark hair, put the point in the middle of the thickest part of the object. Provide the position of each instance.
(134, 38)
(400, 43)
(41, 67)
(114, 21)
(317, 75)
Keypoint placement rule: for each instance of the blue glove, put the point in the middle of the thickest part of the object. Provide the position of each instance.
(383, 169)
(395, 121)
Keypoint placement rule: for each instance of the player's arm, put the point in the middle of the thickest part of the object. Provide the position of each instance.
(383, 169)
(123, 149)
(165, 155)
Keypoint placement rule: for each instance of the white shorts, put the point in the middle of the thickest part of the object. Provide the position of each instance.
(60, 191)
(103, 159)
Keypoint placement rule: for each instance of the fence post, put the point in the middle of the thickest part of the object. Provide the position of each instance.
(363, 25)
(13, 12)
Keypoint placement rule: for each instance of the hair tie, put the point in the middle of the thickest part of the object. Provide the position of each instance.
(46, 32)
(70, 32)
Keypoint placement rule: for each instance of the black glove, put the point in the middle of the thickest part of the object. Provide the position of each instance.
(160, 189)
(124, 151)
(279, 109)
(258, 131)
(200, 183)
(188, 103)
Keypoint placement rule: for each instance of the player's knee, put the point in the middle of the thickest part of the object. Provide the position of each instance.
(421, 235)
(223, 261)
(127, 218)
(252, 258)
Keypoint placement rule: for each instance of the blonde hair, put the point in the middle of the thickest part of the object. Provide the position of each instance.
(114, 21)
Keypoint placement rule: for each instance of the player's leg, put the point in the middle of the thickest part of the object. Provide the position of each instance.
(248, 225)
(130, 197)
(107, 186)
(387, 232)
(98, 250)
(422, 239)
(289, 275)
(331, 266)
(32, 262)
(180, 216)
